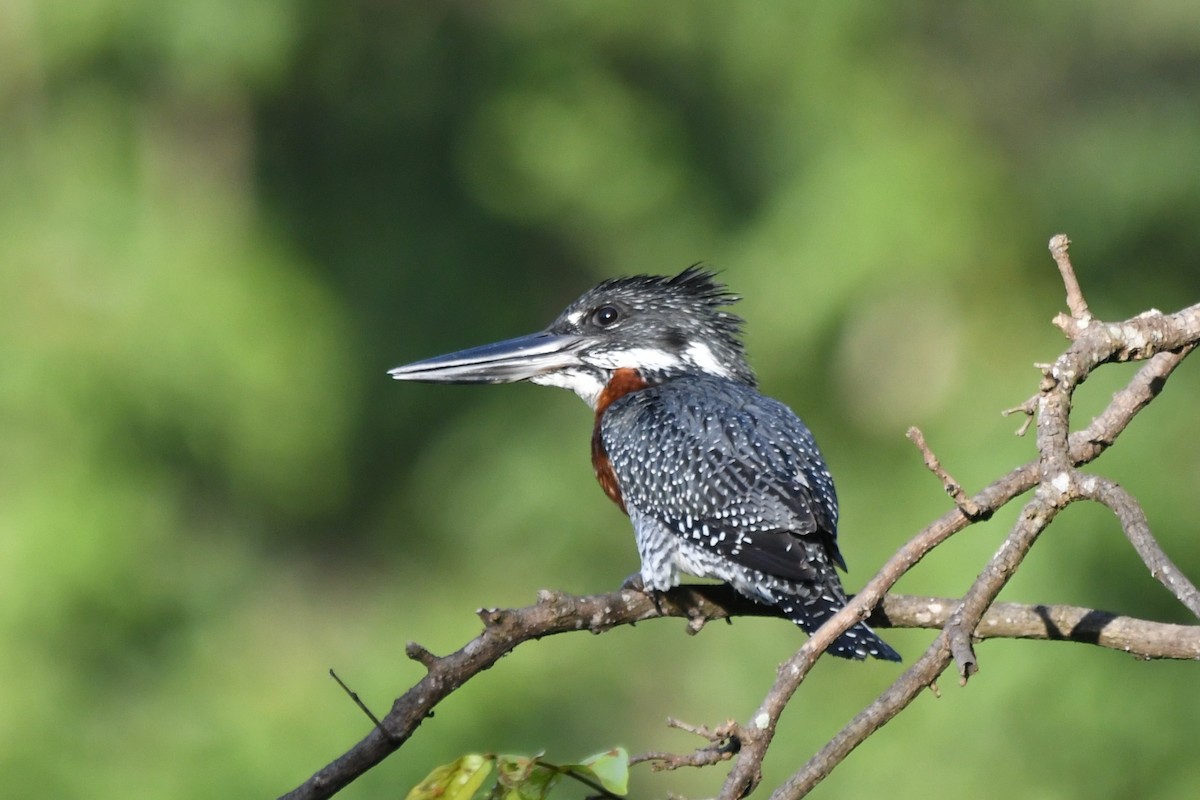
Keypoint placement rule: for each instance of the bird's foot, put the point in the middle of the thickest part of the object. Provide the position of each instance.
(635, 583)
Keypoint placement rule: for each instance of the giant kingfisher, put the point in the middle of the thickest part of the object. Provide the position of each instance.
(718, 480)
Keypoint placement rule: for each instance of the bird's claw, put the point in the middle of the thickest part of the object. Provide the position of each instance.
(635, 583)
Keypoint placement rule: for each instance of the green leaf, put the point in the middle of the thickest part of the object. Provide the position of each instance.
(610, 769)
(511, 770)
(539, 783)
(458, 780)
(524, 778)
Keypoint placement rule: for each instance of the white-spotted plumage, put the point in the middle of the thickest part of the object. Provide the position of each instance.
(735, 489)
(719, 481)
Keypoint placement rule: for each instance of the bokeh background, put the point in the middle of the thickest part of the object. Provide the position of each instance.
(222, 222)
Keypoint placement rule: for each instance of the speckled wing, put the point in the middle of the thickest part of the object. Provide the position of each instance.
(727, 469)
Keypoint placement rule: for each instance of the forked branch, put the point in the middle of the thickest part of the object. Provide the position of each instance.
(1162, 340)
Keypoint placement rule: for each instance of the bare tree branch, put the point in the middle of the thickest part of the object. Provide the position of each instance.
(1151, 336)
(556, 613)
(1084, 446)
(1147, 640)
(1137, 529)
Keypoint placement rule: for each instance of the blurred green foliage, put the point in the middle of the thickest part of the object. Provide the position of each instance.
(523, 777)
(220, 223)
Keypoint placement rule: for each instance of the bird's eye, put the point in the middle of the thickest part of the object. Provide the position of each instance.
(604, 316)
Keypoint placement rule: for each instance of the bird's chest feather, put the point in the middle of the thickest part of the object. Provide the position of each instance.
(622, 383)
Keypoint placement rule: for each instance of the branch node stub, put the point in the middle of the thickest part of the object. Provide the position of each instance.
(490, 616)
(419, 654)
(1081, 316)
(1028, 408)
(725, 741)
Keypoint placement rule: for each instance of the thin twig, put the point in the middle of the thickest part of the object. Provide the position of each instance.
(586, 781)
(953, 488)
(1145, 385)
(1137, 530)
(1028, 408)
(725, 741)
(1080, 314)
(354, 696)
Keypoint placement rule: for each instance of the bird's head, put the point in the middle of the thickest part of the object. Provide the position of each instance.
(659, 326)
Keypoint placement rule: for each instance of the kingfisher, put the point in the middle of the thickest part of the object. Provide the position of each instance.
(718, 480)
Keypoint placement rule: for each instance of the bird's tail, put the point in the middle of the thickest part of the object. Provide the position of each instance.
(856, 643)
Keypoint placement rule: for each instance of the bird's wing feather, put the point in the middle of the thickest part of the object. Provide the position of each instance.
(716, 462)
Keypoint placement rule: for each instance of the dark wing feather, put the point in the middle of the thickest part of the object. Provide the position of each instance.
(716, 462)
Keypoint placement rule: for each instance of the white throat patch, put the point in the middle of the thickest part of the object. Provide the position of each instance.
(639, 358)
(583, 382)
